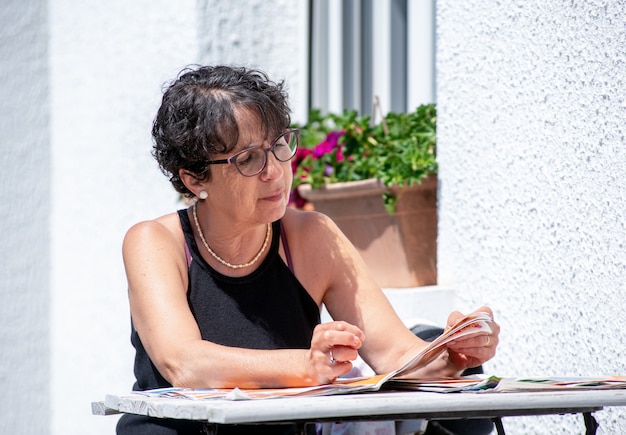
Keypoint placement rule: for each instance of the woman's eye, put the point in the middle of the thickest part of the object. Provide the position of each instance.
(245, 158)
(251, 157)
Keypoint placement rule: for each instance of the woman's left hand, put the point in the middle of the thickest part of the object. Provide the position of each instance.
(473, 350)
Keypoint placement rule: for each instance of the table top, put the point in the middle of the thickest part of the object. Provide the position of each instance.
(396, 405)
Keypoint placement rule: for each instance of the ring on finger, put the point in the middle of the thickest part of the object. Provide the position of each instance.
(333, 361)
(488, 340)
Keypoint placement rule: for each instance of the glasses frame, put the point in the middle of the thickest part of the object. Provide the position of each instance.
(232, 159)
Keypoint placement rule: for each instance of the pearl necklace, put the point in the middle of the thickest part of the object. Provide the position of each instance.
(221, 260)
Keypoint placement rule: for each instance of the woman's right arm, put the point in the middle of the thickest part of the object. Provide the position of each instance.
(154, 260)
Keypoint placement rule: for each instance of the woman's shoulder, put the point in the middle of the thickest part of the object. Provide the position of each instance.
(163, 229)
(313, 230)
(310, 223)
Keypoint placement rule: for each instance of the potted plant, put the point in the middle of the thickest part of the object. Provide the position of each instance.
(378, 182)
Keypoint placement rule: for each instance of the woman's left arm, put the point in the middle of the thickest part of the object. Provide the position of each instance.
(330, 268)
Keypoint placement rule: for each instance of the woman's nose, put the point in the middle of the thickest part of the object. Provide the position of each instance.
(273, 167)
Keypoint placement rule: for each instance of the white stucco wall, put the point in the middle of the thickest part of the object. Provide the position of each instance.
(25, 195)
(531, 105)
(271, 35)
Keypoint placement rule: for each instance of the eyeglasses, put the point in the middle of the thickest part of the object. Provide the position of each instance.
(252, 161)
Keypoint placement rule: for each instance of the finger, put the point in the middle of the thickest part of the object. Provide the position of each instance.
(335, 366)
(326, 368)
(485, 309)
(474, 341)
(480, 348)
(495, 328)
(342, 326)
(454, 317)
(339, 334)
(343, 354)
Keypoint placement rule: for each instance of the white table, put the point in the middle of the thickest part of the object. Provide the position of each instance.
(370, 406)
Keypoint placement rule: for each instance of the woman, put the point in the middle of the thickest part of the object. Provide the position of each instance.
(227, 292)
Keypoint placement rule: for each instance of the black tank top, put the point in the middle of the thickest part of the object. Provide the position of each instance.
(267, 309)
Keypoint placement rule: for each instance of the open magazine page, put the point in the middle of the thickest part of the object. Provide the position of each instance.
(561, 383)
(471, 324)
(338, 387)
(473, 383)
(238, 393)
(495, 384)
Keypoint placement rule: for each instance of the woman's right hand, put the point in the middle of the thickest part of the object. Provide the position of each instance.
(333, 346)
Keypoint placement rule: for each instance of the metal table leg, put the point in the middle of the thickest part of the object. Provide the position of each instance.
(591, 425)
(497, 421)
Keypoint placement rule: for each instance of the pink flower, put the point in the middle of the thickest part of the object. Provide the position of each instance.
(301, 154)
(329, 144)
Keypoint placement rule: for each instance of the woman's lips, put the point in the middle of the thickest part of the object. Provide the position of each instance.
(273, 197)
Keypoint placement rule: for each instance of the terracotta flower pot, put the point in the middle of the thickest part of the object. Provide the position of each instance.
(401, 249)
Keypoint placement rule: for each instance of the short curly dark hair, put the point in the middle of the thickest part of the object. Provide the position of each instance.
(196, 118)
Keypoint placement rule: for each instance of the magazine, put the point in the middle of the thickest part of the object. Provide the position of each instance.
(462, 385)
(482, 383)
(471, 324)
(471, 383)
(561, 383)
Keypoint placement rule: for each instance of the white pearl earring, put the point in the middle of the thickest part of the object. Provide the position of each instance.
(203, 194)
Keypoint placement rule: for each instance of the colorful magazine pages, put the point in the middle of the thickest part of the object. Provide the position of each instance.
(467, 384)
(561, 383)
(507, 385)
(470, 324)
(446, 385)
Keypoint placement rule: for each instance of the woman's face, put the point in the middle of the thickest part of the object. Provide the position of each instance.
(261, 198)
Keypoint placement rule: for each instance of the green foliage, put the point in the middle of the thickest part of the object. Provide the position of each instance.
(399, 150)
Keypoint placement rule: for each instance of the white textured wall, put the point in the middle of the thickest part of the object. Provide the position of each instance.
(532, 110)
(24, 218)
(271, 35)
(80, 84)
